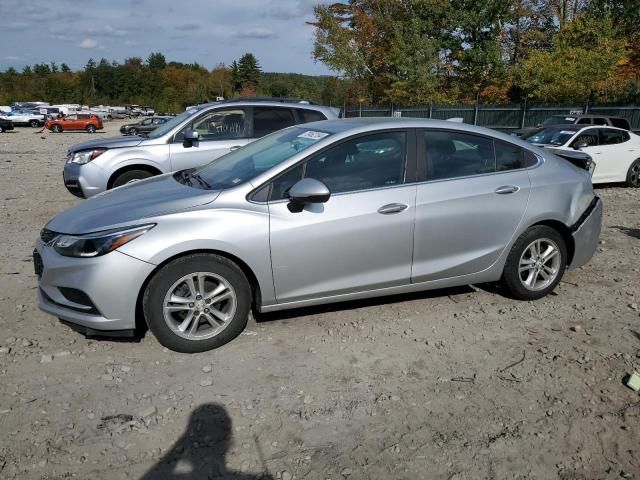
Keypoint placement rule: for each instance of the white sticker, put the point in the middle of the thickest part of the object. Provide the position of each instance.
(313, 135)
(569, 119)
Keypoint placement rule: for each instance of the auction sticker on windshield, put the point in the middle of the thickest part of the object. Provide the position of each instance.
(313, 135)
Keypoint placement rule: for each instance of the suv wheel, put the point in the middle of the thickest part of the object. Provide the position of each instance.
(56, 129)
(91, 128)
(34, 123)
(535, 264)
(130, 176)
(197, 303)
(633, 175)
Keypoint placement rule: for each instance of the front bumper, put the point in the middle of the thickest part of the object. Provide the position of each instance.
(110, 284)
(586, 233)
(84, 180)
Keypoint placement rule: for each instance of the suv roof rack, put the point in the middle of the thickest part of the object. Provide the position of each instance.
(269, 99)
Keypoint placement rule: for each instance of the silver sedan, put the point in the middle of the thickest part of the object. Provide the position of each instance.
(317, 213)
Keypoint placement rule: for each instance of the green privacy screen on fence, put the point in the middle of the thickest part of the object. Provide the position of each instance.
(501, 117)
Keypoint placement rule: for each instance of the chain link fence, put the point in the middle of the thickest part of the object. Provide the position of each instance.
(500, 117)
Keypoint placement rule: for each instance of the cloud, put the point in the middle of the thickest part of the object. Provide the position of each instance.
(106, 31)
(255, 33)
(189, 26)
(88, 43)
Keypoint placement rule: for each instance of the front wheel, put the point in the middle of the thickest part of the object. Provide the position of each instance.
(633, 175)
(197, 303)
(34, 123)
(133, 131)
(130, 177)
(56, 129)
(91, 129)
(535, 264)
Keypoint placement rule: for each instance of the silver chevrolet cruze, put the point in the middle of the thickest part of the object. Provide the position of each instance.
(317, 213)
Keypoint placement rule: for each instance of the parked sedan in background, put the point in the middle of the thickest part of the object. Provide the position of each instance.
(24, 119)
(144, 126)
(75, 121)
(313, 214)
(5, 125)
(615, 151)
(581, 119)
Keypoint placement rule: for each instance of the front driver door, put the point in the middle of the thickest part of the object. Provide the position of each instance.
(362, 238)
(219, 130)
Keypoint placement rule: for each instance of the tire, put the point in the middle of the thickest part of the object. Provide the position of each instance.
(130, 176)
(109, 117)
(1, 129)
(56, 129)
(34, 123)
(133, 131)
(91, 128)
(534, 285)
(633, 175)
(202, 331)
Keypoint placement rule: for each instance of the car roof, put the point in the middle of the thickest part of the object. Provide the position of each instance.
(586, 115)
(241, 102)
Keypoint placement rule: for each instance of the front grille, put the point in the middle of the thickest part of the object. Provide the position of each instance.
(47, 236)
(74, 188)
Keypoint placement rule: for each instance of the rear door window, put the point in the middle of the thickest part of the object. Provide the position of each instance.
(609, 136)
(584, 121)
(599, 121)
(270, 119)
(311, 116)
(456, 154)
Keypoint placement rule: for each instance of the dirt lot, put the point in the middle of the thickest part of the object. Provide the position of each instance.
(454, 384)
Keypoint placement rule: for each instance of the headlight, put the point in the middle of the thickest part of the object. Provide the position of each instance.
(85, 157)
(96, 244)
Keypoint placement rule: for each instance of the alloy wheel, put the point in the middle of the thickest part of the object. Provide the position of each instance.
(539, 264)
(634, 175)
(199, 305)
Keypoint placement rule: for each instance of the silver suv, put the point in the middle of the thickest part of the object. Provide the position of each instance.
(193, 138)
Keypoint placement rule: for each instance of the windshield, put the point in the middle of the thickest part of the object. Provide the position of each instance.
(246, 163)
(551, 136)
(168, 126)
(559, 120)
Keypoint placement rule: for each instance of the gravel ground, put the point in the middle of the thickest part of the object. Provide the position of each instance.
(452, 384)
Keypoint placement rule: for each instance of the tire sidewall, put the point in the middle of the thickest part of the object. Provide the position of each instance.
(91, 129)
(511, 276)
(160, 283)
(127, 177)
(629, 183)
(56, 129)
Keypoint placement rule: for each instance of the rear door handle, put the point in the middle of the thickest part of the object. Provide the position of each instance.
(392, 208)
(505, 189)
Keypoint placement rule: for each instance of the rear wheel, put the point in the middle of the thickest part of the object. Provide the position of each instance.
(1, 129)
(34, 123)
(56, 129)
(91, 129)
(535, 264)
(633, 175)
(197, 303)
(133, 131)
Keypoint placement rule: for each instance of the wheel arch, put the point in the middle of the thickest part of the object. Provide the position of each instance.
(132, 166)
(246, 269)
(564, 232)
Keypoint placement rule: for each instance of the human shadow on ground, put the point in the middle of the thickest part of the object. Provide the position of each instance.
(199, 454)
(632, 232)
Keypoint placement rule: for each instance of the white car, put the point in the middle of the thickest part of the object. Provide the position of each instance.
(24, 119)
(616, 152)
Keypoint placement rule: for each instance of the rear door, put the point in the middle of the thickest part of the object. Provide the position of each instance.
(220, 130)
(468, 209)
(267, 120)
(616, 155)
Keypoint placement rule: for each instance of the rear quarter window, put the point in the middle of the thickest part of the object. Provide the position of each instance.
(307, 116)
(620, 123)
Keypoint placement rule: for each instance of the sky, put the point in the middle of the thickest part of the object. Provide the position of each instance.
(208, 32)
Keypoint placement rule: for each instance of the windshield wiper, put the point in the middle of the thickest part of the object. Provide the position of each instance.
(187, 175)
(184, 178)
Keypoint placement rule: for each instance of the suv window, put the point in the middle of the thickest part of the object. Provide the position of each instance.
(362, 163)
(311, 116)
(455, 154)
(270, 119)
(584, 121)
(599, 121)
(620, 123)
(217, 125)
(590, 137)
(609, 136)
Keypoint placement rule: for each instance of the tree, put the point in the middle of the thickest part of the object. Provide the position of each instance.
(156, 61)
(249, 71)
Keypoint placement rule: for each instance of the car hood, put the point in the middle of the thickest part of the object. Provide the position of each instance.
(113, 142)
(130, 204)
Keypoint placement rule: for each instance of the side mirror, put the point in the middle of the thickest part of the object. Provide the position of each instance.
(190, 136)
(580, 144)
(305, 191)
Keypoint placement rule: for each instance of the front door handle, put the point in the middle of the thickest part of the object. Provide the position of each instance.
(392, 208)
(235, 147)
(505, 189)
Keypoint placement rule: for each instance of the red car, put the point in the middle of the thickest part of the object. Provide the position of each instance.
(75, 121)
